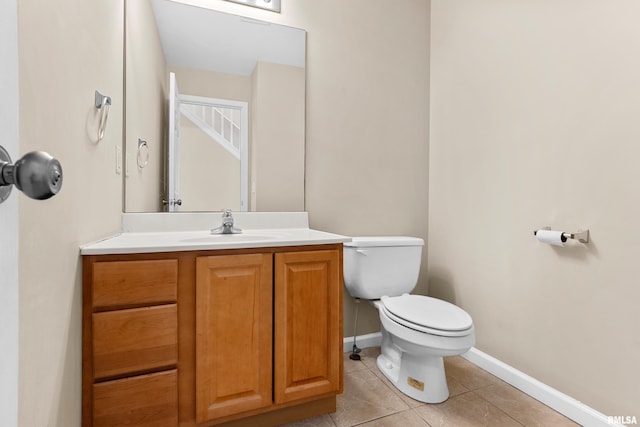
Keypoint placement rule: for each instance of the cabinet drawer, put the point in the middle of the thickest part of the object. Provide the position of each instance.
(134, 340)
(146, 400)
(127, 283)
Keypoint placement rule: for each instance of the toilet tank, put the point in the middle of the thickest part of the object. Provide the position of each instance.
(378, 266)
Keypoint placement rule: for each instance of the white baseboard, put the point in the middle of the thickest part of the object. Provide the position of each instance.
(560, 402)
(363, 341)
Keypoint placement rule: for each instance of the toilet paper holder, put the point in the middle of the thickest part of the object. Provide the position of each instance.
(581, 236)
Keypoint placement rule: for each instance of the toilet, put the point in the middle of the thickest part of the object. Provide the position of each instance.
(417, 331)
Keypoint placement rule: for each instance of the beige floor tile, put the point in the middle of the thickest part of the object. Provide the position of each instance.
(465, 410)
(370, 356)
(411, 403)
(455, 386)
(402, 419)
(476, 398)
(522, 407)
(352, 365)
(321, 421)
(467, 374)
(365, 398)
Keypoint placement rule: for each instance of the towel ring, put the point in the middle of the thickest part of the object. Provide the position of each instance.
(142, 154)
(102, 103)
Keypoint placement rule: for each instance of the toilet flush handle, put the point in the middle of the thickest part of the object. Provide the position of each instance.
(362, 252)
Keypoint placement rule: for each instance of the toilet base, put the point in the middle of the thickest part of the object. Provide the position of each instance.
(414, 361)
(427, 381)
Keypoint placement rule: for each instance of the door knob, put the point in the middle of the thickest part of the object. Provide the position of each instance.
(36, 174)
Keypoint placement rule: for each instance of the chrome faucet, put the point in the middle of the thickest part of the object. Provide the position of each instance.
(227, 224)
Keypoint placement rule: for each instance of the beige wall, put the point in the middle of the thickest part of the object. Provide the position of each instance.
(534, 118)
(67, 50)
(367, 123)
(209, 185)
(147, 86)
(212, 84)
(276, 119)
(277, 127)
(206, 172)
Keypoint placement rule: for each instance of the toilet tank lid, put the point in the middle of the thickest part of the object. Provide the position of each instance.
(384, 241)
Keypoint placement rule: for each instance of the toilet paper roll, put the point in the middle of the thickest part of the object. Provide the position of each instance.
(551, 237)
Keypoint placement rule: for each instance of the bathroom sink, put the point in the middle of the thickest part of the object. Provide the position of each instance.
(245, 236)
(212, 238)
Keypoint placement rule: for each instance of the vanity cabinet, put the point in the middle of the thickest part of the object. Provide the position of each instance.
(264, 317)
(227, 337)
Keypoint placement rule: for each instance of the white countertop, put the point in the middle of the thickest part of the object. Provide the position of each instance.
(145, 242)
(162, 232)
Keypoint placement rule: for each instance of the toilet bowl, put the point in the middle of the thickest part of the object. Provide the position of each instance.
(417, 331)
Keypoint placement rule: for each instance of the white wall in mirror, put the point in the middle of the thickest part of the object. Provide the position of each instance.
(232, 43)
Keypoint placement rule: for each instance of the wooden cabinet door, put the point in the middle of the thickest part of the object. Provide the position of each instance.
(233, 334)
(308, 324)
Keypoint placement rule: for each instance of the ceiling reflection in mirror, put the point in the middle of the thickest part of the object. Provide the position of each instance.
(229, 134)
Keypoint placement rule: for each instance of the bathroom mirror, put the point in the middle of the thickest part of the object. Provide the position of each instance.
(237, 110)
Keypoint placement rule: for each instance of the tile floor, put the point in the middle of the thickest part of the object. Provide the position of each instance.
(476, 398)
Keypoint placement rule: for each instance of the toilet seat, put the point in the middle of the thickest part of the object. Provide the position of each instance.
(429, 315)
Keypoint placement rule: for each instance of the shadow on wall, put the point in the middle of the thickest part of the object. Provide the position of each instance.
(577, 251)
(441, 285)
(67, 412)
